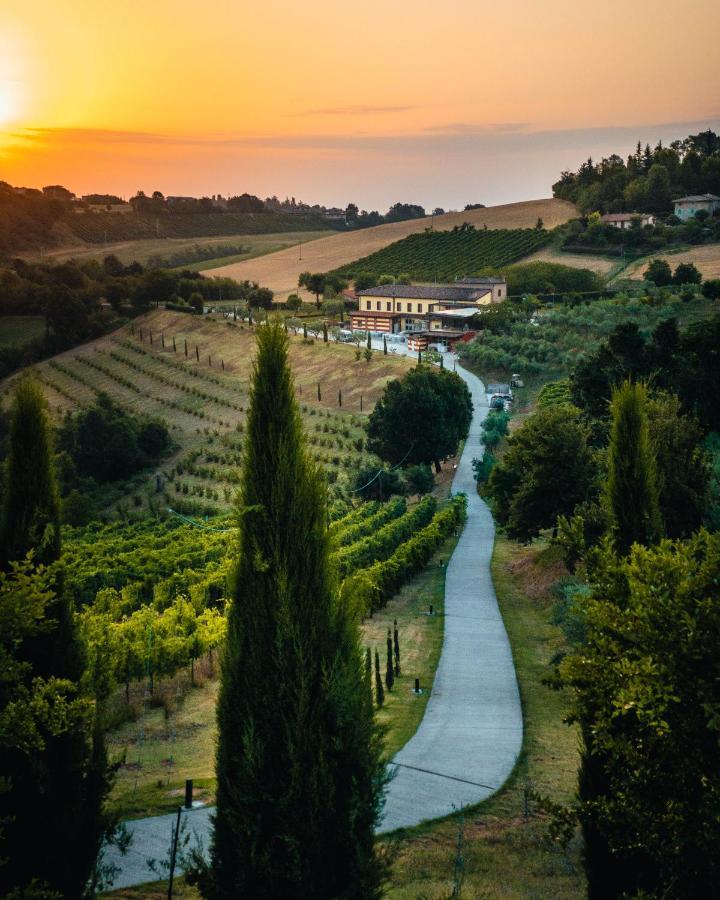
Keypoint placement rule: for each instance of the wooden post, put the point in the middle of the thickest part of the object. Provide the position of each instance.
(360, 402)
(319, 394)
(174, 347)
(162, 339)
(197, 352)
(186, 352)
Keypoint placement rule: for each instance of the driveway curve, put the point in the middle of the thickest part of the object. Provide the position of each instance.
(471, 733)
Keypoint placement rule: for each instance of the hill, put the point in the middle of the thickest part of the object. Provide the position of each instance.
(706, 258)
(280, 271)
(445, 255)
(203, 401)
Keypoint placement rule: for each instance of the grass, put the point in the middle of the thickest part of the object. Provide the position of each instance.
(508, 854)
(706, 257)
(175, 739)
(142, 250)
(18, 330)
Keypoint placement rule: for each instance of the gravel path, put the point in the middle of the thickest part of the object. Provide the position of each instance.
(471, 734)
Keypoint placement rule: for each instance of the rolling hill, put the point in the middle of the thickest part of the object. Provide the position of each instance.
(279, 271)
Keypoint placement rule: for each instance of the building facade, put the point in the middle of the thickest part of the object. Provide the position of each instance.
(687, 207)
(625, 220)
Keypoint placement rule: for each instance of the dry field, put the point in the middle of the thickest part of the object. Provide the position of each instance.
(601, 265)
(279, 271)
(706, 258)
(142, 250)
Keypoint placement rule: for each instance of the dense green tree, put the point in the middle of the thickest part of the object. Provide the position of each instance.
(53, 791)
(313, 282)
(711, 289)
(419, 478)
(687, 273)
(632, 495)
(682, 465)
(644, 682)
(547, 471)
(420, 418)
(31, 505)
(659, 272)
(373, 483)
(389, 667)
(299, 768)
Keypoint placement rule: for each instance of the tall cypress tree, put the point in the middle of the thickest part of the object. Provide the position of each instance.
(632, 486)
(379, 690)
(389, 671)
(53, 796)
(396, 641)
(299, 767)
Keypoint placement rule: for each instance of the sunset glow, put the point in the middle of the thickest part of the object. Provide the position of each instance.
(220, 96)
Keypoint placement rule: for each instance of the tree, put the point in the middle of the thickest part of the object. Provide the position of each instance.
(420, 418)
(54, 790)
(643, 681)
(379, 690)
(313, 282)
(711, 289)
(547, 471)
(365, 280)
(31, 509)
(299, 768)
(197, 301)
(658, 272)
(687, 273)
(420, 478)
(372, 483)
(632, 494)
(389, 669)
(658, 192)
(293, 302)
(396, 644)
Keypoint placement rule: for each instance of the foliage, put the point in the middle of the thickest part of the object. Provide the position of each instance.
(420, 418)
(300, 778)
(644, 680)
(711, 289)
(633, 497)
(107, 443)
(368, 524)
(658, 272)
(553, 393)
(648, 180)
(443, 255)
(419, 478)
(373, 483)
(547, 470)
(494, 427)
(539, 277)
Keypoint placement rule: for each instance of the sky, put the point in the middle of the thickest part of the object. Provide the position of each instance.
(371, 102)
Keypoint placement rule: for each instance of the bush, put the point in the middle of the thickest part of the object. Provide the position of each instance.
(420, 479)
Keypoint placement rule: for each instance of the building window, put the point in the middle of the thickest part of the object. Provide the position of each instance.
(409, 307)
(378, 304)
(389, 306)
(368, 302)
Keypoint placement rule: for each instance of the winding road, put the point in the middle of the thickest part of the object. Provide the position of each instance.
(471, 734)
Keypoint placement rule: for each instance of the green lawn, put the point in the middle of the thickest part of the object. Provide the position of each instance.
(18, 330)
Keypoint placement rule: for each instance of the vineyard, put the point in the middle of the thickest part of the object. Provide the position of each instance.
(446, 255)
(152, 596)
(194, 374)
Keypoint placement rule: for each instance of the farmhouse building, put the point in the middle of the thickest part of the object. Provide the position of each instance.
(440, 314)
(625, 220)
(687, 207)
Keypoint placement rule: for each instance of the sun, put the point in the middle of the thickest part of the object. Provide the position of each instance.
(9, 101)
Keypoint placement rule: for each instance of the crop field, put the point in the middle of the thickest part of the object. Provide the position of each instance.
(280, 271)
(18, 330)
(203, 398)
(445, 255)
(601, 265)
(706, 258)
(143, 250)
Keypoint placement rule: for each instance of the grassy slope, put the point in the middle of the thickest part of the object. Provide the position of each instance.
(507, 855)
(142, 250)
(706, 258)
(279, 271)
(202, 424)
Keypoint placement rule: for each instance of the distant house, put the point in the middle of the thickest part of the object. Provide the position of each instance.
(496, 286)
(625, 220)
(687, 207)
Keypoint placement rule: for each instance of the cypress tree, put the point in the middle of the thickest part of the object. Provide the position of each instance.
(379, 692)
(369, 341)
(442, 361)
(318, 392)
(339, 396)
(52, 797)
(174, 345)
(325, 332)
(396, 639)
(389, 671)
(304, 330)
(632, 485)
(384, 346)
(299, 768)
(186, 347)
(197, 352)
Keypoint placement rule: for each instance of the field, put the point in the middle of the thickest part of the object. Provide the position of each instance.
(280, 271)
(204, 400)
(174, 738)
(18, 330)
(445, 255)
(706, 258)
(601, 265)
(142, 250)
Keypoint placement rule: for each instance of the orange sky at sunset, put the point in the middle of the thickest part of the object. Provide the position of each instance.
(439, 103)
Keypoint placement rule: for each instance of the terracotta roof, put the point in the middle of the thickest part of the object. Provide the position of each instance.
(697, 198)
(624, 217)
(424, 292)
(480, 280)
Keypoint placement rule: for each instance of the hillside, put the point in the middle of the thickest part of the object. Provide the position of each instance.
(205, 405)
(706, 258)
(280, 271)
(445, 255)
